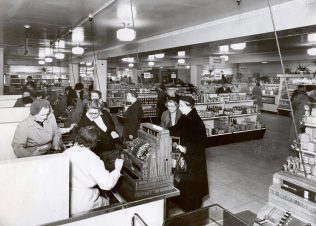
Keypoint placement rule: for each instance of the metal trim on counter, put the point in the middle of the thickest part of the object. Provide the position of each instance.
(115, 207)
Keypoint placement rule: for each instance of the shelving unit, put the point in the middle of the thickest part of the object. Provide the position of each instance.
(149, 105)
(17, 81)
(270, 97)
(293, 80)
(217, 115)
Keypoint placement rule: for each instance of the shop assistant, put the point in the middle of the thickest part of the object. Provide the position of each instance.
(38, 134)
(132, 116)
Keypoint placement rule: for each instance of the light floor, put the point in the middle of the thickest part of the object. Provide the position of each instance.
(240, 174)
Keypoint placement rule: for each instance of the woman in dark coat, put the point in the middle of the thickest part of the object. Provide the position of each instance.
(132, 116)
(108, 136)
(193, 183)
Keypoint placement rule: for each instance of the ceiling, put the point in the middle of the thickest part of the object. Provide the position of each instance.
(50, 20)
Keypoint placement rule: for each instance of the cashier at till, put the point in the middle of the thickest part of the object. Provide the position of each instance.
(224, 89)
(38, 134)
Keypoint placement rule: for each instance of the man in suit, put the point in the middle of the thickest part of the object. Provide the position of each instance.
(132, 116)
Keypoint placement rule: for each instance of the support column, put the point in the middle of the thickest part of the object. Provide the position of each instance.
(73, 74)
(135, 75)
(1, 71)
(100, 78)
(195, 77)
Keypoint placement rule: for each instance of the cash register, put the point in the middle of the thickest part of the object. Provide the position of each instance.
(147, 163)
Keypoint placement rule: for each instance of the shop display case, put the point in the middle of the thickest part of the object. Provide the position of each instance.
(149, 105)
(17, 81)
(116, 95)
(228, 118)
(292, 80)
(270, 97)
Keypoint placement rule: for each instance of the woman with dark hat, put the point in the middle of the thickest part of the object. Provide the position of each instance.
(192, 183)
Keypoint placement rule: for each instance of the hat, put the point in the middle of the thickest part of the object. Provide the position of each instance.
(187, 99)
(174, 99)
(133, 92)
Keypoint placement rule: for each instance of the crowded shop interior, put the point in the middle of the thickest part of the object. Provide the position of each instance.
(158, 113)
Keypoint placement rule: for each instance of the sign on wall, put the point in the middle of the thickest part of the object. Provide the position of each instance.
(173, 75)
(217, 62)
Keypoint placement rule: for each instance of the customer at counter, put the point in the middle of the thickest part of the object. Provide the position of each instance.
(38, 134)
(192, 182)
(25, 101)
(87, 171)
(132, 116)
(171, 116)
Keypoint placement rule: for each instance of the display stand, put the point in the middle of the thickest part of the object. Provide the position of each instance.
(229, 118)
(293, 80)
(270, 97)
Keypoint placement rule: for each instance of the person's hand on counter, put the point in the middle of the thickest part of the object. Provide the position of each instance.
(67, 130)
(182, 148)
(119, 164)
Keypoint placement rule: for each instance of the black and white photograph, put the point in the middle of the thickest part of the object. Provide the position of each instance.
(158, 113)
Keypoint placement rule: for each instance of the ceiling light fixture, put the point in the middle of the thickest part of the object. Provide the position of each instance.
(41, 62)
(264, 62)
(126, 34)
(224, 48)
(48, 59)
(77, 50)
(59, 56)
(181, 61)
(311, 51)
(160, 55)
(60, 44)
(181, 53)
(131, 65)
(151, 63)
(77, 35)
(311, 37)
(238, 46)
(151, 57)
(224, 57)
(188, 66)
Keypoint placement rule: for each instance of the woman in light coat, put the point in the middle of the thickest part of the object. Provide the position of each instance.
(171, 116)
(38, 134)
(87, 171)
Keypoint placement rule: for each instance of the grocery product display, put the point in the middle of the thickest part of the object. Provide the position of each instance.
(228, 114)
(292, 80)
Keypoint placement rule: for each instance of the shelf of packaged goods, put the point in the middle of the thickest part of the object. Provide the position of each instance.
(284, 109)
(310, 125)
(212, 118)
(237, 101)
(242, 115)
(209, 103)
(308, 152)
(269, 96)
(227, 138)
(148, 104)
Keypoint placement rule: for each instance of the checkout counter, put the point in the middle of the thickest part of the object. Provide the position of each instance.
(35, 190)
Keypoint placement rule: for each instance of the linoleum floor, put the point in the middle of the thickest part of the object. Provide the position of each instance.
(239, 174)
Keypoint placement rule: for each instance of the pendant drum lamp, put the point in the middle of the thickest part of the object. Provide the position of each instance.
(126, 34)
(77, 50)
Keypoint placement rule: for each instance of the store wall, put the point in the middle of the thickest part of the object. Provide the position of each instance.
(271, 68)
(1, 71)
(37, 69)
(184, 75)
